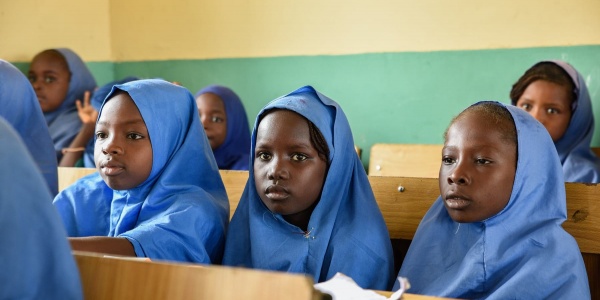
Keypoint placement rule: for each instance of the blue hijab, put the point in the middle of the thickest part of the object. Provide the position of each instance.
(64, 122)
(579, 162)
(35, 257)
(346, 229)
(233, 153)
(96, 102)
(520, 253)
(20, 107)
(181, 211)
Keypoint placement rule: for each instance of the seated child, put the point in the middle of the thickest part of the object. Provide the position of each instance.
(308, 206)
(226, 124)
(21, 109)
(158, 192)
(59, 77)
(555, 94)
(89, 112)
(35, 258)
(495, 232)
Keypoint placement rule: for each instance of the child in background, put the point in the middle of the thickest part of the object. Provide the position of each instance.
(308, 206)
(555, 94)
(158, 193)
(21, 109)
(495, 232)
(59, 77)
(226, 125)
(36, 260)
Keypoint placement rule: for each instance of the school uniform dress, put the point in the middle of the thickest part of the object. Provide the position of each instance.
(19, 107)
(35, 257)
(579, 162)
(96, 101)
(346, 232)
(233, 153)
(520, 253)
(181, 211)
(64, 123)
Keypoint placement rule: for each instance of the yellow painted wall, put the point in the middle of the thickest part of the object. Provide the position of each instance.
(30, 26)
(134, 30)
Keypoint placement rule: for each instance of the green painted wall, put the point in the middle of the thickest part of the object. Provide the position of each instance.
(388, 97)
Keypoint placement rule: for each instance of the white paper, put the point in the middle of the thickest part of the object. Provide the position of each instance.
(342, 287)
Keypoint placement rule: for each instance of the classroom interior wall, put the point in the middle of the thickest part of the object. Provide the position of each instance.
(400, 69)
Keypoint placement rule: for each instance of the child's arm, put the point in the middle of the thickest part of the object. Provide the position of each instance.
(88, 116)
(103, 244)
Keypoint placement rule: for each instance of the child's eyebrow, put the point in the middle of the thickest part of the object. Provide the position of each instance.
(126, 122)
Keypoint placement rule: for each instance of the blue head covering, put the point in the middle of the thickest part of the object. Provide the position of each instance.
(233, 153)
(96, 102)
(181, 211)
(64, 122)
(346, 229)
(520, 253)
(20, 107)
(579, 162)
(35, 258)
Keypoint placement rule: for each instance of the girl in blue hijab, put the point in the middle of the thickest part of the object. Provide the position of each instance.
(226, 124)
(555, 94)
(59, 77)
(308, 206)
(21, 109)
(35, 258)
(158, 193)
(495, 232)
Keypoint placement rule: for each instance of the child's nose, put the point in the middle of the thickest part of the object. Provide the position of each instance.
(458, 176)
(278, 170)
(112, 147)
(538, 114)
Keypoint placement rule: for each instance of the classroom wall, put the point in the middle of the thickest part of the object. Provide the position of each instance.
(400, 69)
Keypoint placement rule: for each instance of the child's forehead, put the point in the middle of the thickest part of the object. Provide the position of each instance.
(50, 59)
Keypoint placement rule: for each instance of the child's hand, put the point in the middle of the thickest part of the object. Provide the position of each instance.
(87, 113)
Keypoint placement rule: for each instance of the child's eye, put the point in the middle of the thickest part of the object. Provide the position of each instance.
(100, 135)
(552, 111)
(482, 161)
(526, 107)
(134, 136)
(447, 160)
(299, 157)
(31, 78)
(215, 119)
(49, 79)
(263, 156)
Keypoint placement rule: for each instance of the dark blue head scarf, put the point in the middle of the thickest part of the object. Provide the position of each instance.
(20, 107)
(233, 153)
(346, 229)
(579, 163)
(35, 257)
(64, 122)
(181, 211)
(96, 102)
(520, 253)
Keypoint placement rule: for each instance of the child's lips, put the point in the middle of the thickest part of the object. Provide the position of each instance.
(277, 193)
(455, 201)
(112, 169)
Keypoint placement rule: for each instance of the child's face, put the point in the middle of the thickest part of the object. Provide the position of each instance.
(478, 169)
(123, 151)
(212, 115)
(49, 75)
(549, 103)
(288, 171)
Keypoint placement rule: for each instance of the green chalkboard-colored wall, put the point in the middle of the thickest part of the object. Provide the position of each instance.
(388, 97)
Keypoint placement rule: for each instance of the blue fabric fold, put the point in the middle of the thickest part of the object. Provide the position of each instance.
(20, 107)
(35, 257)
(520, 253)
(181, 211)
(347, 232)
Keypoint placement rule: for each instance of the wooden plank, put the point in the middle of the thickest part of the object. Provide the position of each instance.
(125, 278)
(405, 160)
(596, 150)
